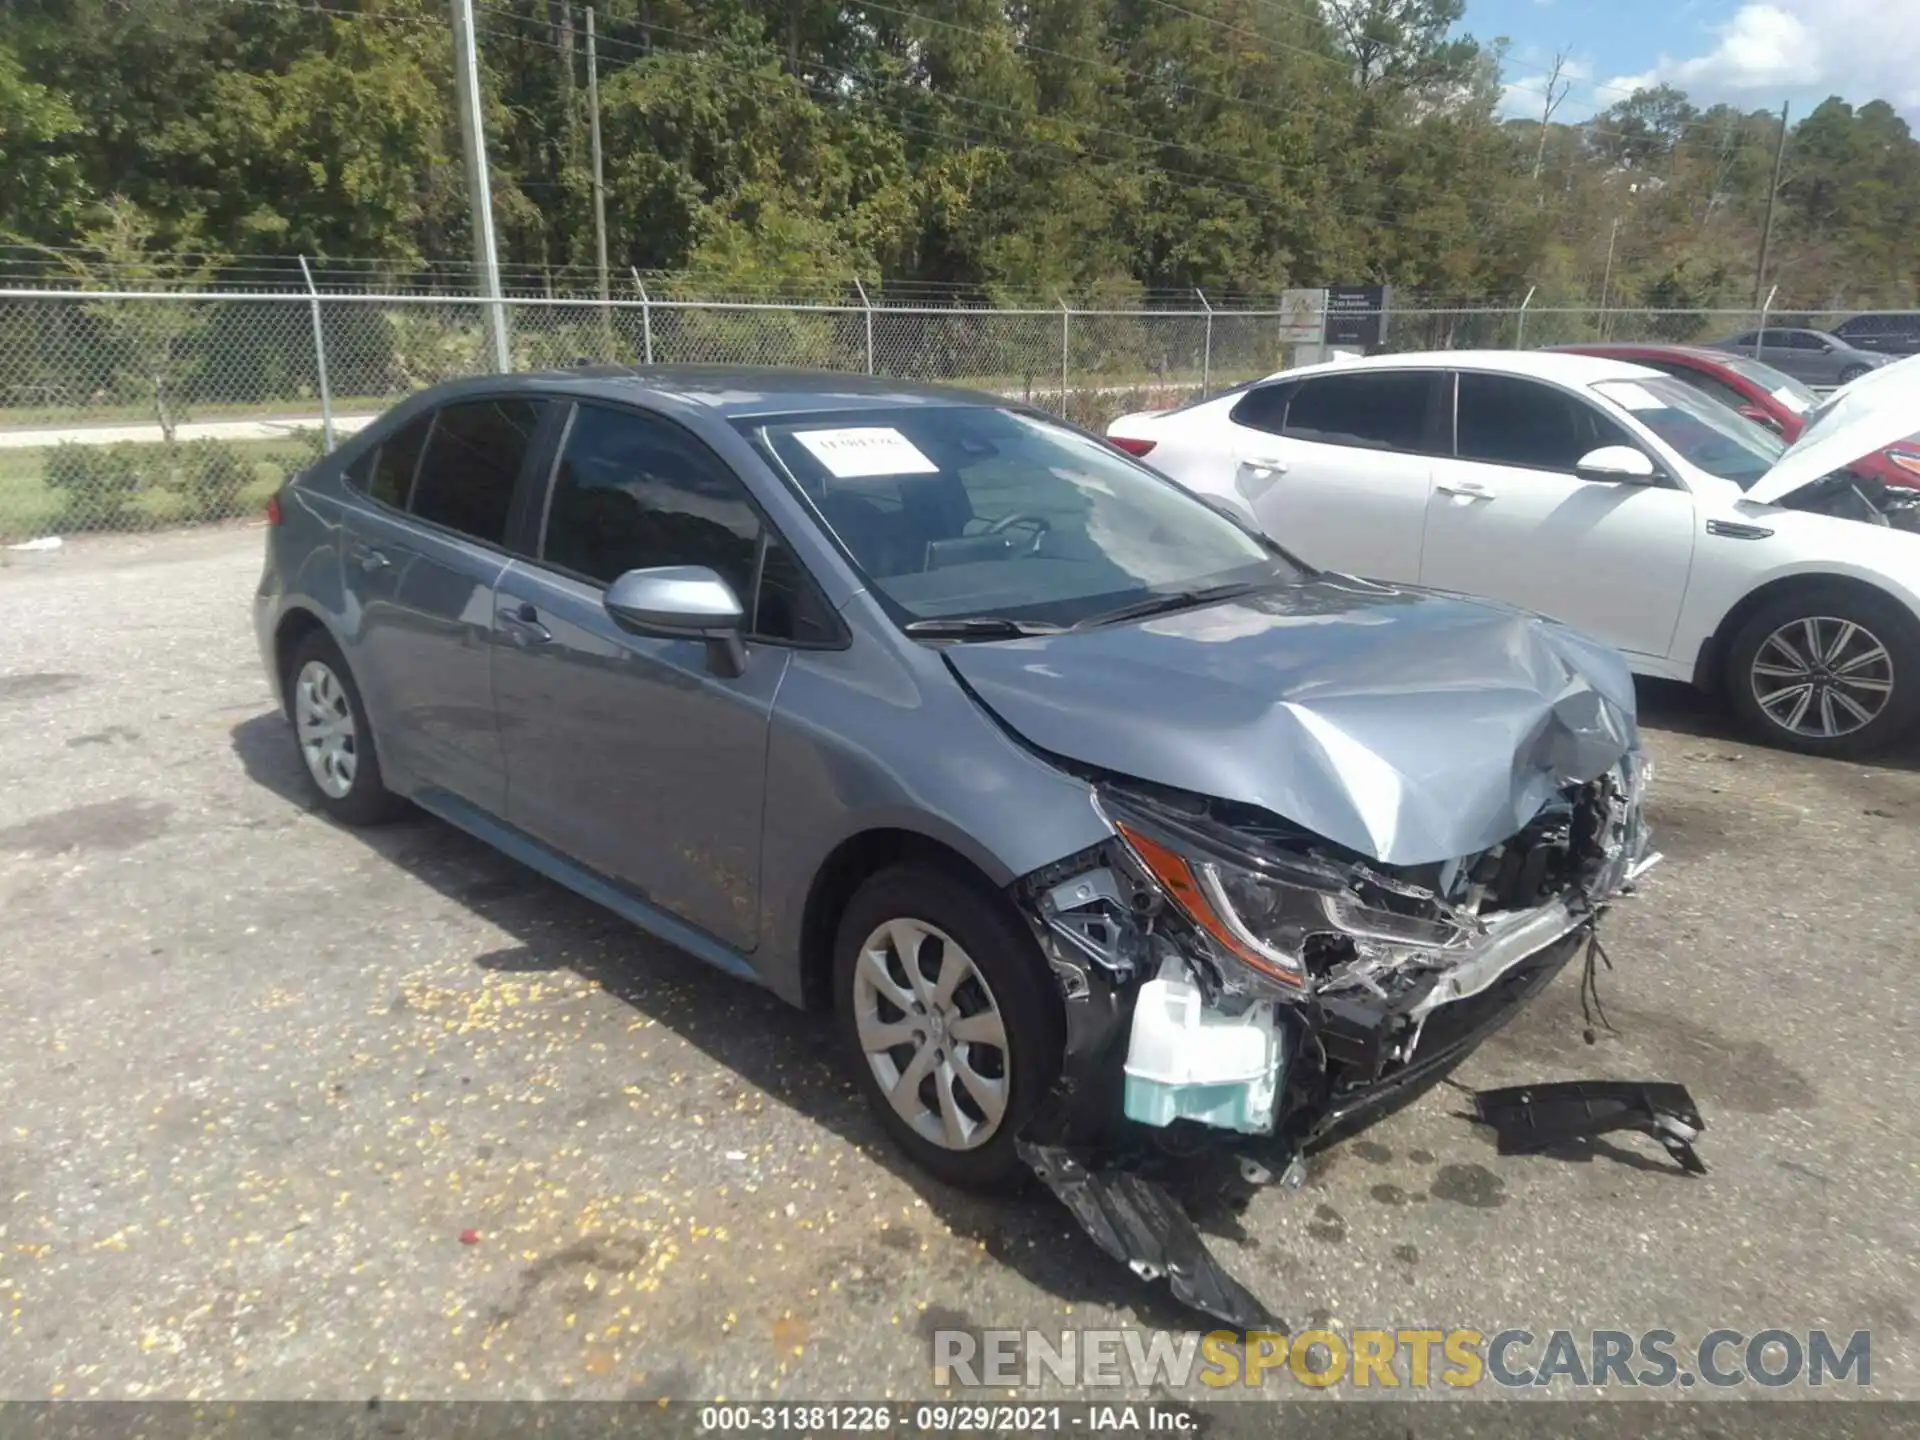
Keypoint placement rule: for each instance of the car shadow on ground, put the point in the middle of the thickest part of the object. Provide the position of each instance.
(789, 1055)
(1683, 709)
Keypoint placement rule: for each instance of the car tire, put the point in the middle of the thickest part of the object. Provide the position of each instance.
(331, 736)
(995, 1039)
(1843, 652)
(1852, 373)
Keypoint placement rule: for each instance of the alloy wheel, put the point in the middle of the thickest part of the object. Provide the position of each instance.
(932, 1032)
(323, 718)
(1822, 677)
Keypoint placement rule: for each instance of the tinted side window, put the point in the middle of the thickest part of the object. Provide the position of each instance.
(632, 493)
(1385, 411)
(1804, 340)
(386, 471)
(1505, 420)
(1263, 407)
(473, 458)
(1746, 339)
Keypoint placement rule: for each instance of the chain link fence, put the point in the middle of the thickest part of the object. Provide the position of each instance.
(128, 411)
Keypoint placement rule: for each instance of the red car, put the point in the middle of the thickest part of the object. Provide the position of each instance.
(1760, 393)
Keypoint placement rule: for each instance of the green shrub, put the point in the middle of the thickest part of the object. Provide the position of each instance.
(312, 443)
(209, 477)
(98, 485)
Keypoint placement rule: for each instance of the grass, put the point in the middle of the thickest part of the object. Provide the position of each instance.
(29, 507)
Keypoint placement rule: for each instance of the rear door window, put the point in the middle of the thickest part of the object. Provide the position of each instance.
(1376, 410)
(386, 471)
(473, 461)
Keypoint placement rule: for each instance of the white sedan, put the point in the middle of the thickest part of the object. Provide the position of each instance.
(1606, 495)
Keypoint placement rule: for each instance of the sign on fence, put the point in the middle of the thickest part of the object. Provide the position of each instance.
(1303, 313)
(1357, 316)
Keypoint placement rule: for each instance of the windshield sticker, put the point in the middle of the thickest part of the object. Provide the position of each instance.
(866, 450)
(1630, 396)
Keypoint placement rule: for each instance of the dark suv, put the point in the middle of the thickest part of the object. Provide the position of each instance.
(1895, 332)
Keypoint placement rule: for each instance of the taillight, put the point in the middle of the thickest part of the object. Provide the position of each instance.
(1132, 446)
(273, 509)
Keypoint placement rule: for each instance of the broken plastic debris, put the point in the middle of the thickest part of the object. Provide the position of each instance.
(469, 1237)
(1142, 1226)
(1531, 1118)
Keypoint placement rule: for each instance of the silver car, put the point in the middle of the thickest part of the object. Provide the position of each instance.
(1091, 814)
(1812, 357)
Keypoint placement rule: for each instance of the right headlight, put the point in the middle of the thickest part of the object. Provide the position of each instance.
(1267, 917)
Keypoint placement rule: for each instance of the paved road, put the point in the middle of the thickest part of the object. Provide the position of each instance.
(262, 1073)
(264, 428)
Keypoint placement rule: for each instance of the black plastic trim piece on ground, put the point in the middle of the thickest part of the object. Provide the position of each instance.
(1138, 1223)
(1530, 1118)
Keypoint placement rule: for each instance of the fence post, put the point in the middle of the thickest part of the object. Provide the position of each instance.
(866, 305)
(1760, 335)
(646, 312)
(1206, 351)
(320, 361)
(1520, 325)
(1066, 345)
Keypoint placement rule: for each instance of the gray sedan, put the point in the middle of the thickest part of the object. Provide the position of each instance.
(1085, 809)
(1812, 357)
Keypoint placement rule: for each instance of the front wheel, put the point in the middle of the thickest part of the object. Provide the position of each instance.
(948, 1018)
(1826, 673)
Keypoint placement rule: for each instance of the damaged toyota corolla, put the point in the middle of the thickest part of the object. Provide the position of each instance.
(1108, 829)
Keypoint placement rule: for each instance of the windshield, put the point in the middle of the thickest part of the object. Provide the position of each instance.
(1706, 434)
(977, 511)
(1783, 387)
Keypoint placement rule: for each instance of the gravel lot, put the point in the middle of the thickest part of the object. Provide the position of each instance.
(261, 1074)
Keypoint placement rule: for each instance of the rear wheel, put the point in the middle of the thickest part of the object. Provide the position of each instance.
(1826, 673)
(335, 742)
(1852, 373)
(947, 1017)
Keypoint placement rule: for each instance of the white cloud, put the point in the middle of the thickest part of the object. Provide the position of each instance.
(1527, 96)
(1771, 49)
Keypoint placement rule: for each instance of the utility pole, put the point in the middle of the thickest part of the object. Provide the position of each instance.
(599, 177)
(473, 140)
(1606, 281)
(1766, 232)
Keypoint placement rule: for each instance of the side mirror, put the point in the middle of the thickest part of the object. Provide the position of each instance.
(1618, 464)
(683, 602)
(1760, 417)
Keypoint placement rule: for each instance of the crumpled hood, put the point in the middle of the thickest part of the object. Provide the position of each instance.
(1873, 412)
(1408, 725)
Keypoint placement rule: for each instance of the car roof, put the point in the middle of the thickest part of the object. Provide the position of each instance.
(729, 391)
(1661, 349)
(1556, 365)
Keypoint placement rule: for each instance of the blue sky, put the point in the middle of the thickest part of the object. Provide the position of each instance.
(1755, 53)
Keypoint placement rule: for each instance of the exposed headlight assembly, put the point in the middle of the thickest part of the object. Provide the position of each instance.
(1273, 916)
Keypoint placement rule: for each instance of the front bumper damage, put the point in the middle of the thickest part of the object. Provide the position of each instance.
(1235, 987)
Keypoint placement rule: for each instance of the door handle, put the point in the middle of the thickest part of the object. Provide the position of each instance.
(522, 622)
(1467, 489)
(1271, 466)
(368, 558)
